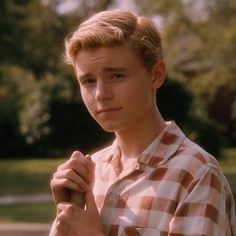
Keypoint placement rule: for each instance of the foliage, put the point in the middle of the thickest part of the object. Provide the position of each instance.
(199, 39)
(53, 118)
(40, 108)
(35, 31)
(11, 91)
(33, 34)
(35, 113)
(176, 103)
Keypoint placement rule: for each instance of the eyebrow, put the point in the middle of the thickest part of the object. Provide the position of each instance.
(109, 69)
(115, 69)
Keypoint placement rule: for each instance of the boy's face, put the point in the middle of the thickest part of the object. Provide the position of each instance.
(116, 88)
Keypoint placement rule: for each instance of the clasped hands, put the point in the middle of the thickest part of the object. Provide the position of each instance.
(76, 176)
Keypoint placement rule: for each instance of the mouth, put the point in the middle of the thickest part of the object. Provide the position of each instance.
(108, 110)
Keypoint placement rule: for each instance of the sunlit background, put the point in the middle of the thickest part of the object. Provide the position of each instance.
(42, 117)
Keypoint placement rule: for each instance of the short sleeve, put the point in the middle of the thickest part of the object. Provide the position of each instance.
(207, 208)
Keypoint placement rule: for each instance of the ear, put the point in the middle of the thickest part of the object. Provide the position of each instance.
(158, 74)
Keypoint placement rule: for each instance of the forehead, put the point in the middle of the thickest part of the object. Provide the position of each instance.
(113, 56)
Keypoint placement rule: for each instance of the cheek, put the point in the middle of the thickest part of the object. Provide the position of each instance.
(87, 99)
(140, 95)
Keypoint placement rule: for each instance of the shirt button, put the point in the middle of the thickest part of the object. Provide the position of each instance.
(112, 198)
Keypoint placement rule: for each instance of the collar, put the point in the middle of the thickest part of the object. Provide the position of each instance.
(163, 147)
(158, 151)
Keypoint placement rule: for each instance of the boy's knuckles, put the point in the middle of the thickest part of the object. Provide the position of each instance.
(62, 218)
(69, 173)
(62, 166)
(76, 154)
(68, 211)
(52, 183)
(65, 182)
(55, 176)
(73, 162)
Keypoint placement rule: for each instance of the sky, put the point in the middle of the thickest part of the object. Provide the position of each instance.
(70, 5)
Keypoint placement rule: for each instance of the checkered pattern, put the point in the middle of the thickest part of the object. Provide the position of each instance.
(174, 189)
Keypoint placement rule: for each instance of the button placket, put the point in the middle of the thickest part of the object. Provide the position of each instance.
(113, 194)
(112, 197)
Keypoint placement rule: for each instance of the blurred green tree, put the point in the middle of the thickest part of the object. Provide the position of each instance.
(11, 91)
(32, 35)
(40, 109)
(176, 103)
(200, 50)
(31, 43)
(54, 119)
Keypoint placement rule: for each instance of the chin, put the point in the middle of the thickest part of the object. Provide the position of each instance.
(113, 128)
(109, 127)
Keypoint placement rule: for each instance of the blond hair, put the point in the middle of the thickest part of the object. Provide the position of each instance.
(117, 27)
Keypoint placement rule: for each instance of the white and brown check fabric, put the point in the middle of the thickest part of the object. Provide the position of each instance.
(176, 189)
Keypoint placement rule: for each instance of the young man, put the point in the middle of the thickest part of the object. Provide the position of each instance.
(152, 180)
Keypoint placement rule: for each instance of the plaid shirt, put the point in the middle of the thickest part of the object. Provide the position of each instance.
(174, 189)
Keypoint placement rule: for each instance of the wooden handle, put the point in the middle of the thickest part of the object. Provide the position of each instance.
(78, 199)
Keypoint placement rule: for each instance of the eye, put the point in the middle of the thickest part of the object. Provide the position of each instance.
(88, 81)
(117, 76)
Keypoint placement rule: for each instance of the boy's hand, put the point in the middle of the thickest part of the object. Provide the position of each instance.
(76, 174)
(72, 220)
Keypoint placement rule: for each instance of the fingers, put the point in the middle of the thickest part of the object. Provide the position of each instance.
(77, 169)
(64, 213)
(80, 164)
(67, 211)
(90, 202)
(73, 220)
(70, 207)
(75, 174)
(70, 179)
(60, 208)
(92, 171)
(65, 207)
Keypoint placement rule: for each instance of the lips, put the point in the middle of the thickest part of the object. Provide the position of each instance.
(108, 110)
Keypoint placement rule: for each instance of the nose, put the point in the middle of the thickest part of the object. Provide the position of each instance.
(103, 91)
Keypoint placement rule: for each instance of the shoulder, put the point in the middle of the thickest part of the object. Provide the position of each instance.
(193, 159)
(197, 172)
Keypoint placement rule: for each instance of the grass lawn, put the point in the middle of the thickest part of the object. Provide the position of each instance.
(26, 176)
(33, 176)
(31, 212)
(229, 167)
(20, 177)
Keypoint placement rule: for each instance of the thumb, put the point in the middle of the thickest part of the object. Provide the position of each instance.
(60, 208)
(90, 202)
(92, 169)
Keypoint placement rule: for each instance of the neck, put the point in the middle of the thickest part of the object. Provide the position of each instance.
(134, 140)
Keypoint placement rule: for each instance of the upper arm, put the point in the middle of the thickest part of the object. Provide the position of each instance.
(206, 209)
